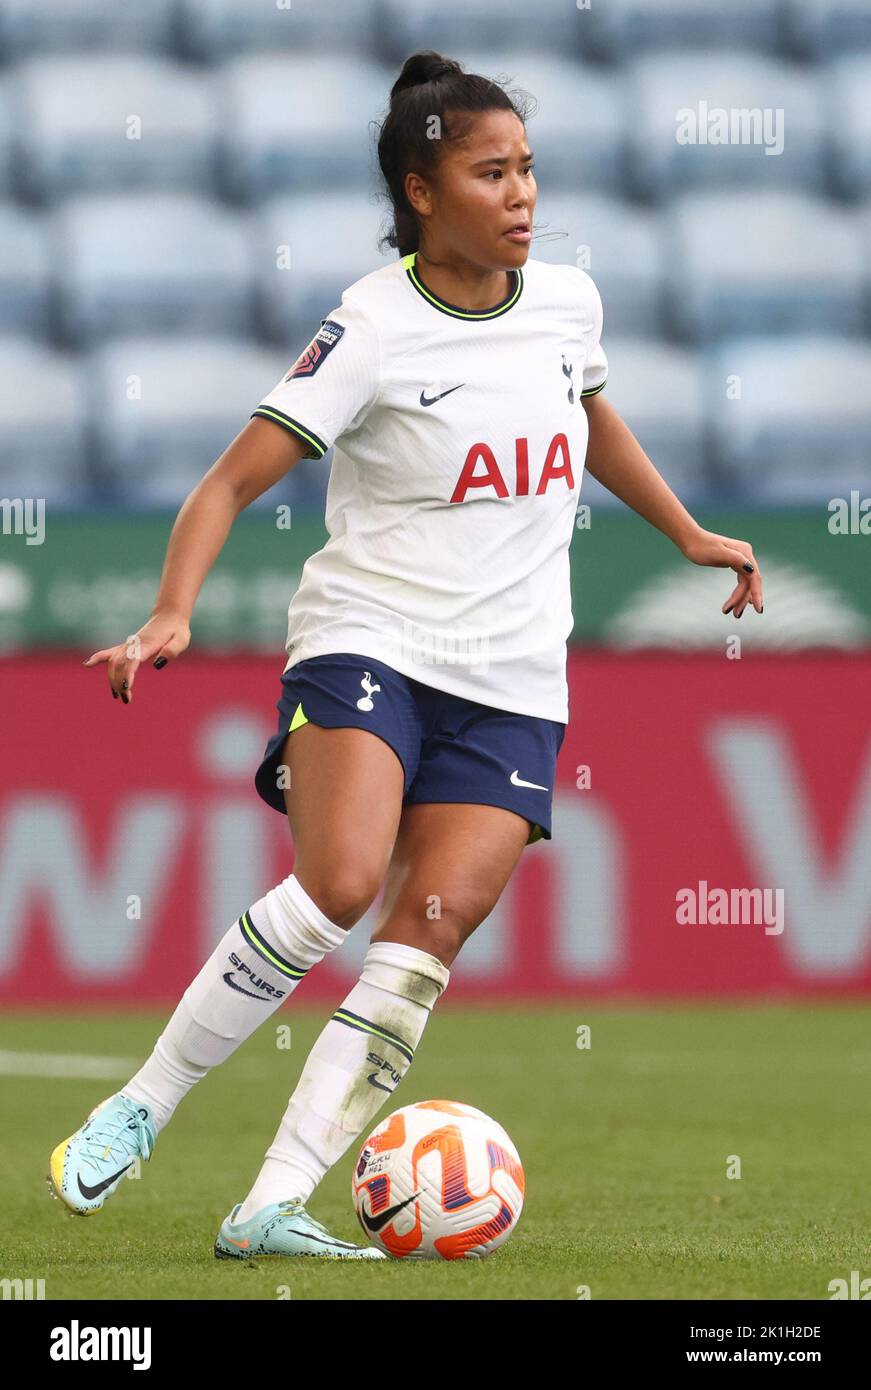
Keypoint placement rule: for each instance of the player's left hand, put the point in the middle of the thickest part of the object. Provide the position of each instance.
(724, 552)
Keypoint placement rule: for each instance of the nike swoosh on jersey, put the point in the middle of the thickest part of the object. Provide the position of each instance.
(431, 400)
(374, 1223)
(519, 782)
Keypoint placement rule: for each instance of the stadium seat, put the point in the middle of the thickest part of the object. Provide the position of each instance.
(753, 262)
(43, 423)
(144, 262)
(76, 124)
(310, 247)
(622, 28)
(453, 26)
(290, 121)
(619, 245)
(657, 389)
(213, 29)
(25, 272)
(799, 431)
(197, 393)
(678, 97)
(6, 141)
(64, 26)
(850, 124)
(577, 131)
(821, 28)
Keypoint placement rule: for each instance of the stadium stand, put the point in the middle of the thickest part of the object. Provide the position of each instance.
(113, 122)
(782, 260)
(621, 246)
(799, 430)
(659, 88)
(162, 407)
(43, 423)
(659, 391)
(25, 272)
(231, 227)
(135, 262)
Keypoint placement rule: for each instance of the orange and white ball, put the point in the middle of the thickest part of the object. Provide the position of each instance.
(438, 1180)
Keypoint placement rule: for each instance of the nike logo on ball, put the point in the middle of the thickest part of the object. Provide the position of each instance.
(519, 782)
(374, 1223)
(431, 400)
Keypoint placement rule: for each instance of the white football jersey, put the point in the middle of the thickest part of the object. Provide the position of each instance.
(460, 444)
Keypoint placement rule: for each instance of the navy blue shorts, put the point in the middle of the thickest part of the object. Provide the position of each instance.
(451, 749)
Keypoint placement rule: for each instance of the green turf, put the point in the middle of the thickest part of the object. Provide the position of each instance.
(625, 1148)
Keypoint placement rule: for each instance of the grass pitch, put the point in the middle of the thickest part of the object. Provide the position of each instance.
(625, 1145)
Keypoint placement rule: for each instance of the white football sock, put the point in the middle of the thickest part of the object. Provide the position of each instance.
(253, 969)
(361, 1056)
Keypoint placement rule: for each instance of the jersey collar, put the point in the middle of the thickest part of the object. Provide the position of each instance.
(408, 263)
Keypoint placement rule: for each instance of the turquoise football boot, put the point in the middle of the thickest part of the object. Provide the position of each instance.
(86, 1168)
(285, 1228)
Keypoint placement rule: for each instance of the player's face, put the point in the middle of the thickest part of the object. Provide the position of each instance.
(484, 190)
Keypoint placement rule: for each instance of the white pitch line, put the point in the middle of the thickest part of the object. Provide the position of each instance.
(66, 1064)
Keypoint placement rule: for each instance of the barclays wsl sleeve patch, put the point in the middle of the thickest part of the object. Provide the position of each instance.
(323, 342)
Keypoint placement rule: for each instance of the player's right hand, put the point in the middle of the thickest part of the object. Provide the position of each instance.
(164, 637)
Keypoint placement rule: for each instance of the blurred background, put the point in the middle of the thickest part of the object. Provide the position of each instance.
(186, 188)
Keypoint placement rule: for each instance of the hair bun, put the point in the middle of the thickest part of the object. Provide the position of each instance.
(427, 66)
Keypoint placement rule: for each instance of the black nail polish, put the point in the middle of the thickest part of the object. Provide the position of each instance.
(749, 569)
(114, 694)
(160, 663)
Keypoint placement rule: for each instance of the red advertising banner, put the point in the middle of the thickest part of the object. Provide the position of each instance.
(712, 834)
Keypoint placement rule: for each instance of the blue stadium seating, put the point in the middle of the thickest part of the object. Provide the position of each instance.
(820, 28)
(622, 28)
(800, 430)
(850, 123)
(453, 26)
(6, 145)
(658, 390)
(139, 262)
(196, 395)
(25, 272)
(259, 125)
(113, 121)
(752, 262)
(63, 26)
(221, 28)
(43, 423)
(310, 247)
(286, 122)
(658, 89)
(619, 245)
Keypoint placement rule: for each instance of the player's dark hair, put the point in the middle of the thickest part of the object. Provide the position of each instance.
(431, 86)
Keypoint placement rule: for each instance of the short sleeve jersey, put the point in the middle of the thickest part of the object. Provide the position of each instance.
(460, 439)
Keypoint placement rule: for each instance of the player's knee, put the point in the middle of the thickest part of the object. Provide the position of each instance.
(344, 894)
(450, 927)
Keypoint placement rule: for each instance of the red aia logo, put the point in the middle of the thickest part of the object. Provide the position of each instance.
(492, 477)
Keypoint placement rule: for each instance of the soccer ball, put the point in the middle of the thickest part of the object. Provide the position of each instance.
(438, 1180)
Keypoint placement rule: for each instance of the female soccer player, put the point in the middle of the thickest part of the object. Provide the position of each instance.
(424, 699)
